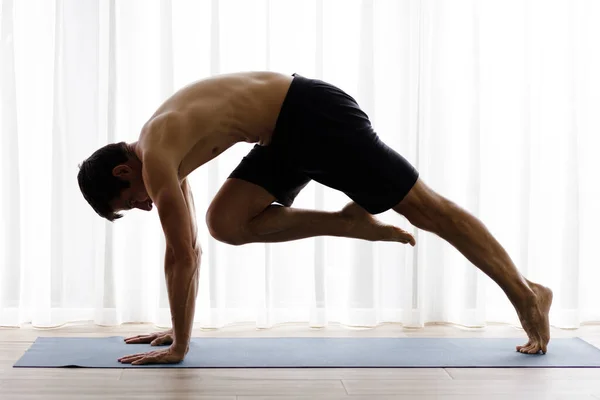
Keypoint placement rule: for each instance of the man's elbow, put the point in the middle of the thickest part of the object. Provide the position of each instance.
(198, 252)
(197, 255)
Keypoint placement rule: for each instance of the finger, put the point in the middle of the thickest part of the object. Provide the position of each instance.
(134, 357)
(135, 341)
(141, 355)
(131, 357)
(140, 339)
(133, 337)
(146, 360)
(130, 360)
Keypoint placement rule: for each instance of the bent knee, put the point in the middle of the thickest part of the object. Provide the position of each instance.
(226, 229)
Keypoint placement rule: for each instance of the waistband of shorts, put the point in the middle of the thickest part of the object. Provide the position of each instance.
(295, 96)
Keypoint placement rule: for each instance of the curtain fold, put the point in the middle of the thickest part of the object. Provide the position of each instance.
(494, 102)
(10, 238)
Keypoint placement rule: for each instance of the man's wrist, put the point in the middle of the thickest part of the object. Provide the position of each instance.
(180, 347)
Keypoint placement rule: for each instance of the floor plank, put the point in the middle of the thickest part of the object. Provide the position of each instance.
(178, 387)
(528, 374)
(473, 387)
(61, 373)
(289, 373)
(515, 396)
(127, 396)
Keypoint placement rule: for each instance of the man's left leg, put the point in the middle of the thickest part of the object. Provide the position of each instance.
(233, 219)
(431, 212)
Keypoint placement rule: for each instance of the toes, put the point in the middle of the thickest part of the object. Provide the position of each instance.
(530, 348)
(403, 236)
(534, 348)
(525, 349)
(525, 345)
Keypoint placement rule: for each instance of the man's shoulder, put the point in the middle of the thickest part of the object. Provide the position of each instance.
(164, 121)
(155, 132)
(155, 144)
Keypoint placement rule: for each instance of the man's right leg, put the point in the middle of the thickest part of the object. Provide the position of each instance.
(431, 212)
(242, 212)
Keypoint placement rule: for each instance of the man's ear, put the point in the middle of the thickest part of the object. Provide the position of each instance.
(122, 171)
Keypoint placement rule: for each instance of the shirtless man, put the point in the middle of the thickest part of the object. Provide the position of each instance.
(304, 129)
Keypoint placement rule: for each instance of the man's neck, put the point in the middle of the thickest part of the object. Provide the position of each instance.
(134, 150)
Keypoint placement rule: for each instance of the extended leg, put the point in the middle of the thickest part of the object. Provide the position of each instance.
(431, 212)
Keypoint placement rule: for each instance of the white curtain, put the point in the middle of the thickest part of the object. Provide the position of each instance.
(496, 103)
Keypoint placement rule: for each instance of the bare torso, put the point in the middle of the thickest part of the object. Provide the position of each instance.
(213, 114)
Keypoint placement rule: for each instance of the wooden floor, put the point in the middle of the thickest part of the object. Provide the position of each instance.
(288, 384)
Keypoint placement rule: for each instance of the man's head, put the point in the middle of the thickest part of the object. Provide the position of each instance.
(111, 181)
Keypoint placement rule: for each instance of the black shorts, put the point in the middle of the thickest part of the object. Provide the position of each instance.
(323, 135)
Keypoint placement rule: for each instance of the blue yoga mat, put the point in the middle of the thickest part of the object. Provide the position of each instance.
(316, 353)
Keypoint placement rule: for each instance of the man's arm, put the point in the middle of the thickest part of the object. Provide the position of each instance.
(182, 256)
(189, 201)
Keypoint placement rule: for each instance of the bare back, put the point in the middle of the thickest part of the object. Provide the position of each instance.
(213, 114)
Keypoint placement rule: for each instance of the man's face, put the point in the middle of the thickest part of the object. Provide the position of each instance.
(135, 196)
(132, 197)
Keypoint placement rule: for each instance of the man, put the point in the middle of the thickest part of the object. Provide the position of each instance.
(304, 129)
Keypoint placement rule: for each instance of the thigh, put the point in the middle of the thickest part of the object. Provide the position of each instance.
(269, 168)
(335, 144)
(261, 178)
(368, 171)
(238, 201)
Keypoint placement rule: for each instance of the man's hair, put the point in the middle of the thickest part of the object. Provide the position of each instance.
(98, 184)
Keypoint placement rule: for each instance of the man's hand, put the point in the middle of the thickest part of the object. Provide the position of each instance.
(166, 356)
(155, 339)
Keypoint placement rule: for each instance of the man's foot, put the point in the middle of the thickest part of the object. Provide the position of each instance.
(364, 226)
(535, 321)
